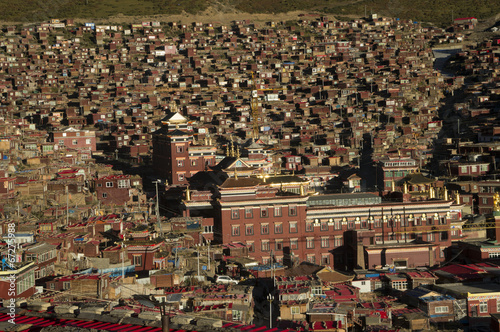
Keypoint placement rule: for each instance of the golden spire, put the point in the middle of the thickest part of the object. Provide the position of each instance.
(457, 197)
(188, 194)
(237, 151)
(235, 174)
(232, 149)
(302, 191)
(405, 188)
(393, 185)
(496, 202)
(446, 194)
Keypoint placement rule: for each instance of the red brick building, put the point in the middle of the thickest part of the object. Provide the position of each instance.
(357, 230)
(142, 255)
(45, 257)
(23, 281)
(117, 189)
(175, 157)
(74, 139)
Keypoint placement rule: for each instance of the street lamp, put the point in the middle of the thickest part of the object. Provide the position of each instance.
(270, 298)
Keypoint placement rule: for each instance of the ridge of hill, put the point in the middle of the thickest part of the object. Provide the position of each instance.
(437, 12)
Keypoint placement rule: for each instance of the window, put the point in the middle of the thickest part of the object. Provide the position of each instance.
(295, 311)
(377, 223)
(338, 241)
(104, 195)
(485, 201)
(109, 184)
(208, 229)
(310, 243)
(443, 236)
(137, 260)
(498, 305)
(278, 228)
(324, 226)
(74, 142)
(251, 246)
(430, 237)
(236, 314)
(52, 286)
(309, 226)
(180, 149)
(88, 141)
(293, 227)
(325, 259)
(292, 210)
(311, 259)
(441, 310)
(180, 162)
(265, 245)
(279, 245)
(338, 225)
(235, 214)
(180, 177)
(483, 307)
(66, 285)
(264, 212)
(249, 230)
(350, 225)
(264, 229)
(277, 211)
(400, 285)
(235, 230)
(248, 213)
(193, 162)
(123, 183)
(325, 242)
(61, 142)
(294, 244)
(430, 221)
(494, 255)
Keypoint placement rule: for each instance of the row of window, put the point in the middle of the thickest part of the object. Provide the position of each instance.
(264, 212)
(324, 226)
(88, 141)
(311, 258)
(294, 243)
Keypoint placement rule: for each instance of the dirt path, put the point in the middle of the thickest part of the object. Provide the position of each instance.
(222, 15)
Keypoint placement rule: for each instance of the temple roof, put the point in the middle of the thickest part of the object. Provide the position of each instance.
(418, 178)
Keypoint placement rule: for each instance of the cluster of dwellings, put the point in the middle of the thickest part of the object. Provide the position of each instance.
(280, 143)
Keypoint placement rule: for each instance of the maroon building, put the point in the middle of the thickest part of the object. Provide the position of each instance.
(175, 157)
(117, 189)
(74, 139)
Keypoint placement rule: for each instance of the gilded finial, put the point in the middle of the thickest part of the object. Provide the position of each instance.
(237, 151)
(232, 149)
(446, 194)
(457, 197)
(405, 187)
(302, 190)
(235, 174)
(188, 194)
(496, 202)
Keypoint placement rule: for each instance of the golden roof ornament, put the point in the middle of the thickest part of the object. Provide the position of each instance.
(496, 202)
(457, 197)
(302, 190)
(446, 194)
(188, 194)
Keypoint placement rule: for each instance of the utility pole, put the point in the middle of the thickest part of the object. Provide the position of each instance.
(67, 205)
(158, 208)
(208, 254)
